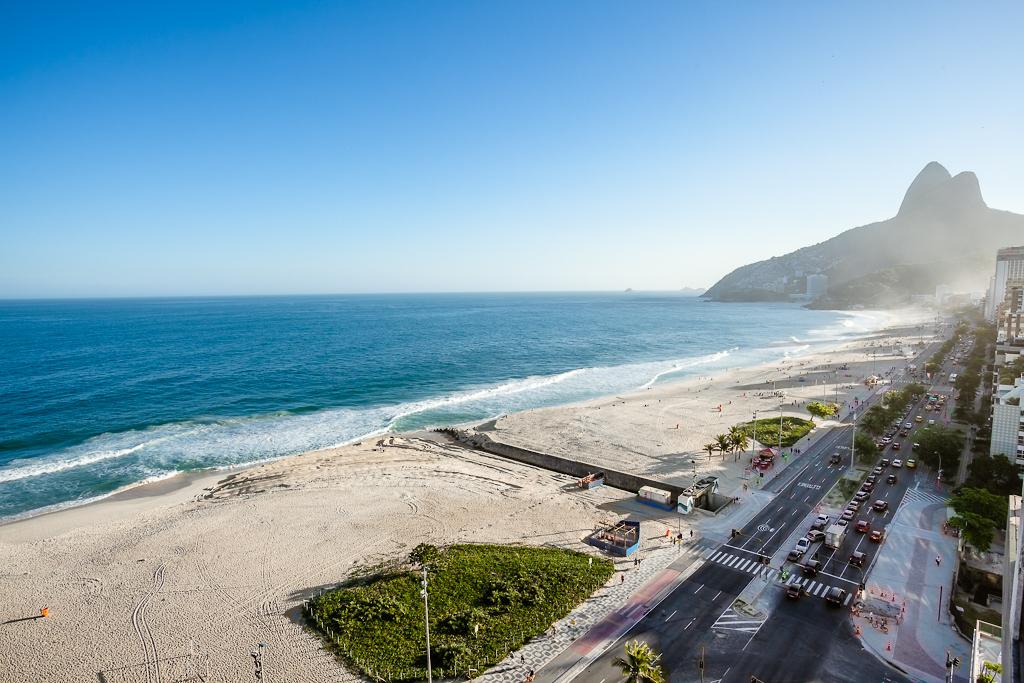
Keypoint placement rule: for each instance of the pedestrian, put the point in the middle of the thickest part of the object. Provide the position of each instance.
(622, 579)
(691, 533)
(938, 560)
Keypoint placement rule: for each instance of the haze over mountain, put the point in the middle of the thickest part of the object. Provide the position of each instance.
(944, 233)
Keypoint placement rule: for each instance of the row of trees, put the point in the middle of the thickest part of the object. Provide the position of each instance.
(735, 442)
(969, 380)
(981, 503)
(880, 416)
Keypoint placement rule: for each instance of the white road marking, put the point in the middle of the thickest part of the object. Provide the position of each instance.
(690, 624)
(671, 615)
(698, 589)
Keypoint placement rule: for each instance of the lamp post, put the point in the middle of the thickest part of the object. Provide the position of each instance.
(853, 441)
(426, 623)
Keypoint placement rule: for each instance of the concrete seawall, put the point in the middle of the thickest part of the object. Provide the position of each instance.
(556, 463)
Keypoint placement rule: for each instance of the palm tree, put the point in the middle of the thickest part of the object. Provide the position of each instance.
(710, 448)
(724, 443)
(640, 664)
(739, 439)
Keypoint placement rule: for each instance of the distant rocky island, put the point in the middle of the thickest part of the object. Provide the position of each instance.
(943, 234)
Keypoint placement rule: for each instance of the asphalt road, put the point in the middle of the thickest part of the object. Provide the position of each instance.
(702, 638)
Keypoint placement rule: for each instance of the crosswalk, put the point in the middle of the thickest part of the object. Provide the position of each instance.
(751, 565)
(815, 588)
(921, 496)
(734, 621)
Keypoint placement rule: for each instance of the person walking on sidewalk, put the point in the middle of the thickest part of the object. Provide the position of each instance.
(938, 560)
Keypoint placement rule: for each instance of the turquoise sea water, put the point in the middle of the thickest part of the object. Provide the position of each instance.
(97, 395)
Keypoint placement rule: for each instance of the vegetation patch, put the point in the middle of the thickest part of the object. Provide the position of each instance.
(485, 602)
(766, 430)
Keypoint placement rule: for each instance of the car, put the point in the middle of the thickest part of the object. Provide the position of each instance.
(886, 439)
(863, 526)
(835, 459)
(847, 515)
(891, 479)
(853, 505)
(918, 418)
(876, 536)
(915, 446)
(867, 487)
(904, 433)
(811, 567)
(842, 522)
(877, 470)
(815, 535)
(880, 506)
(820, 522)
(836, 596)
(861, 496)
(794, 591)
(897, 464)
(931, 423)
(907, 425)
(857, 558)
(884, 462)
(911, 464)
(872, 479)
(794, 555)
(895, 447)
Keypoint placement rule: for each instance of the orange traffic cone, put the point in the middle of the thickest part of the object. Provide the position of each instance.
(44, 612)
(856, 630)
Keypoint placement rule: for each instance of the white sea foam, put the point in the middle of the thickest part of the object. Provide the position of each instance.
(229, 442)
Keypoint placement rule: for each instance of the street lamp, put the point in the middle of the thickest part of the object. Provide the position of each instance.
(426, 623)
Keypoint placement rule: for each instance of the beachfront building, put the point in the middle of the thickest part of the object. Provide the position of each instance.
(817, 285)
(1009, 272)
(1013, 590)
(1008, 421)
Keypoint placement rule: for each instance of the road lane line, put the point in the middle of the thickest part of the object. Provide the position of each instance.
(698, 589)
(671, 615)
(690, 624)
(716, 595)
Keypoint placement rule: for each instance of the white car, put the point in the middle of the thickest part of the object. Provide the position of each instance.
(897, 463)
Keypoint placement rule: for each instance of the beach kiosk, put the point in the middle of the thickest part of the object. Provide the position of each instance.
(660, 498)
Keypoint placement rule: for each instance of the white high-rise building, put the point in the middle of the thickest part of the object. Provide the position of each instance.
(1009, 271)
(817, 285)
(1007, 429)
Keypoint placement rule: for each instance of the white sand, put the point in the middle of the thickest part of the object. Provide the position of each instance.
(661, 432)
(137, 579)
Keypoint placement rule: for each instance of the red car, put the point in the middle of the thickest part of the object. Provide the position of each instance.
(895, 445)
(863, 526)
(876, 536)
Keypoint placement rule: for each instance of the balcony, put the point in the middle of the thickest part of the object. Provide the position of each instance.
(987, 648)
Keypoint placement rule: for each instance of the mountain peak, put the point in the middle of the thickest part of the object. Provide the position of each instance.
(931, 176)
(934, 190)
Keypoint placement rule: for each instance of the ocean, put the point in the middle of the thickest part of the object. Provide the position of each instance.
(97, 395)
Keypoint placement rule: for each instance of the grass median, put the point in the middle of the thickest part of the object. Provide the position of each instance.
(485, 602)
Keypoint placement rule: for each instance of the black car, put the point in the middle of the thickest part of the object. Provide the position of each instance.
(857, 559)
(835, 596)
(811, 567)
(891, 479)
(794, 591)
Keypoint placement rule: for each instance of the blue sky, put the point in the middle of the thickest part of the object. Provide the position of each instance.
(240, 148)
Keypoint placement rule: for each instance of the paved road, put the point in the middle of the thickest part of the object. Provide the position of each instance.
(804, 640)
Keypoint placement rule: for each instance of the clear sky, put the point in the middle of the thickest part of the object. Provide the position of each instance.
(239, 148)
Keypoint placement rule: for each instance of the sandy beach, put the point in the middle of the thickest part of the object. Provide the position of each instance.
(154, 582)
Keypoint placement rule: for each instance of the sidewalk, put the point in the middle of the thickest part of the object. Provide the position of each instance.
(905, 585)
